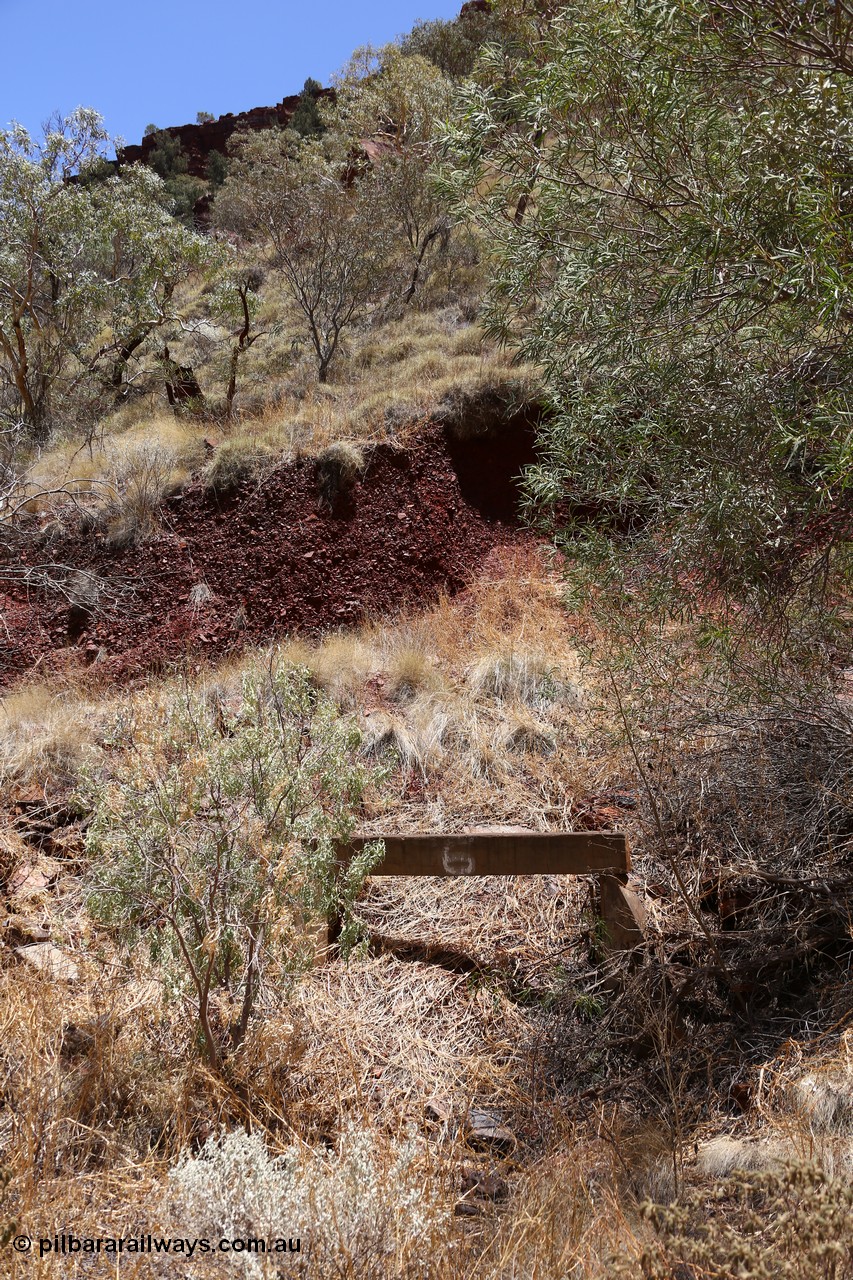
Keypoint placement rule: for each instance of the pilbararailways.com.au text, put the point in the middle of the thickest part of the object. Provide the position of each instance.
(72, 1244)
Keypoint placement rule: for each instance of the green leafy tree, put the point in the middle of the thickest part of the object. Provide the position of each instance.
(235, 302)
(216, 170)
(89, 264)
(453, 46)
(170, 162)
(137, 254)
(328, 242)
(665, 191)
(307, 120)
(214, 833)
(393, 103)
(44, 287)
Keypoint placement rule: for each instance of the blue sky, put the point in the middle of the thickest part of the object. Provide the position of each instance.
(161, 62)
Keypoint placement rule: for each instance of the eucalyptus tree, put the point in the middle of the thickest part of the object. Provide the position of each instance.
(666, 193)
(90, 259)
(138, 255)
(319, 216)
(393, 103)
(43, 282)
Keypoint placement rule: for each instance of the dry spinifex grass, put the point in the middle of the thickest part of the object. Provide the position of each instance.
(102, 1086)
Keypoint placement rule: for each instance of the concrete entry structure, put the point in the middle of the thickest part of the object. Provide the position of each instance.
(512, 853)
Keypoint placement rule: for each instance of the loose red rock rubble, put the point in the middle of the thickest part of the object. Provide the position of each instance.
(417, 522)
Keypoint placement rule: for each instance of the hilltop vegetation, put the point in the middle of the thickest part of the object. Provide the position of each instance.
(626, 228)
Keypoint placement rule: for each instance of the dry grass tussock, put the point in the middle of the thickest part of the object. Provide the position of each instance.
(391, 378)
(133, 438)
(486, 997)
(46, 731)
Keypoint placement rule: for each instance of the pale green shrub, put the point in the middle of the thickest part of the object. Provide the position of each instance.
(364, 1212)
(214, 832)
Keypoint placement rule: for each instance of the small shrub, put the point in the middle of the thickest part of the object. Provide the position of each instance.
(200, 595)
(410, 672)
(233, 464)
(214, 834)
(141, 483)
(793, 1224)
(527, 735)
(340, 666)
(364, 1213)
(412, 746)
(528, 677)
(429, 365)
(468, 341)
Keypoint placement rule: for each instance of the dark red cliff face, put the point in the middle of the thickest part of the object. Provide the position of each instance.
(274, 557)
(199, 140)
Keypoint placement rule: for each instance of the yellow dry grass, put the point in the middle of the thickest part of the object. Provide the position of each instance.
(125, 443)
(389, 379)
(46, 730)
(102, 1083)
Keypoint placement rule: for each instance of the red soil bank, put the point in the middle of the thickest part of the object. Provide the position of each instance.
(418, 521)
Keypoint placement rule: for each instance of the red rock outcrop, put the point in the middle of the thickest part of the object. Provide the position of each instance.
(273, 557)
(199, 140)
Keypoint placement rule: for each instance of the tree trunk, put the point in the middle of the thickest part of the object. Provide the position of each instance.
(124, 353)
(241, 1025)
(182, 387)
(232, 381)
(413, 282)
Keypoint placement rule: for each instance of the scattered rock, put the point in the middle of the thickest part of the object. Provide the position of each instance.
(468, 1209)
(18, 931)
(485, 1130)
(49, 960)
(438, 1109)
(31, 878)
(483, 1184)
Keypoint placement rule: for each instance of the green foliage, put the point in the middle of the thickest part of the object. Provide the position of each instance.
(235, 302)
(587, 1007)
(170, 162)
(204, 117)
(398, 102)
(140, 255)
(44, 285)
(307, 120)
(88, 268)
(452, 46)
(666, 200)
(167, 157)
(329, 243)
(214, 834)
(216, 170)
